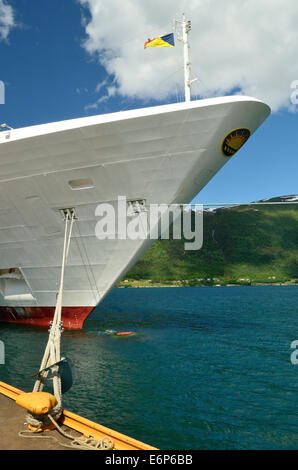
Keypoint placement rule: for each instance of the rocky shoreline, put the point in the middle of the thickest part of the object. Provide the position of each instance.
(185, 283)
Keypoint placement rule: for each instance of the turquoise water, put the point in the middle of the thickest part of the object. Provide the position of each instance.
(209, 367)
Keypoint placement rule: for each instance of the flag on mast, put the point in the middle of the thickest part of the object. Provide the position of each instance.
(162, 41)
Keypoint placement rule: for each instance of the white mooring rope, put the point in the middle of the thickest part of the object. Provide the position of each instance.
(80, 443)
(52, 356)
(52, 351)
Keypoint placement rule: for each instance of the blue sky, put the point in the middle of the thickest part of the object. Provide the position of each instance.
(51, 74)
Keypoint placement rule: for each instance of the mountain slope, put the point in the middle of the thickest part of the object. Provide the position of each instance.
(242, 245)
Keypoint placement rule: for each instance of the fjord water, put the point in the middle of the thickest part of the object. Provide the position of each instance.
(209, 367)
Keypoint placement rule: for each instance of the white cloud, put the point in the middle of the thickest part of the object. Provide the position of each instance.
(111, 91)
(6, 19)
(79, 91)
(248, 45)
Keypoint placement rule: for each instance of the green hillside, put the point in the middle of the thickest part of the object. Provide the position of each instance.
(242, 245)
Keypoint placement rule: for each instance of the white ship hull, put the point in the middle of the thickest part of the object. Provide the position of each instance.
(165, 154)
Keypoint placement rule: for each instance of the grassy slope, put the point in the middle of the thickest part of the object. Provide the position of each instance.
(242, 245)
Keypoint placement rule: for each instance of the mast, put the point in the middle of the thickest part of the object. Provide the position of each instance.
(186, 27)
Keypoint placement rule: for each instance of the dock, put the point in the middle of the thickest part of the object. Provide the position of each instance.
(12, 418)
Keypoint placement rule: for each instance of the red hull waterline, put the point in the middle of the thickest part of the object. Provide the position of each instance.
(72, 317)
